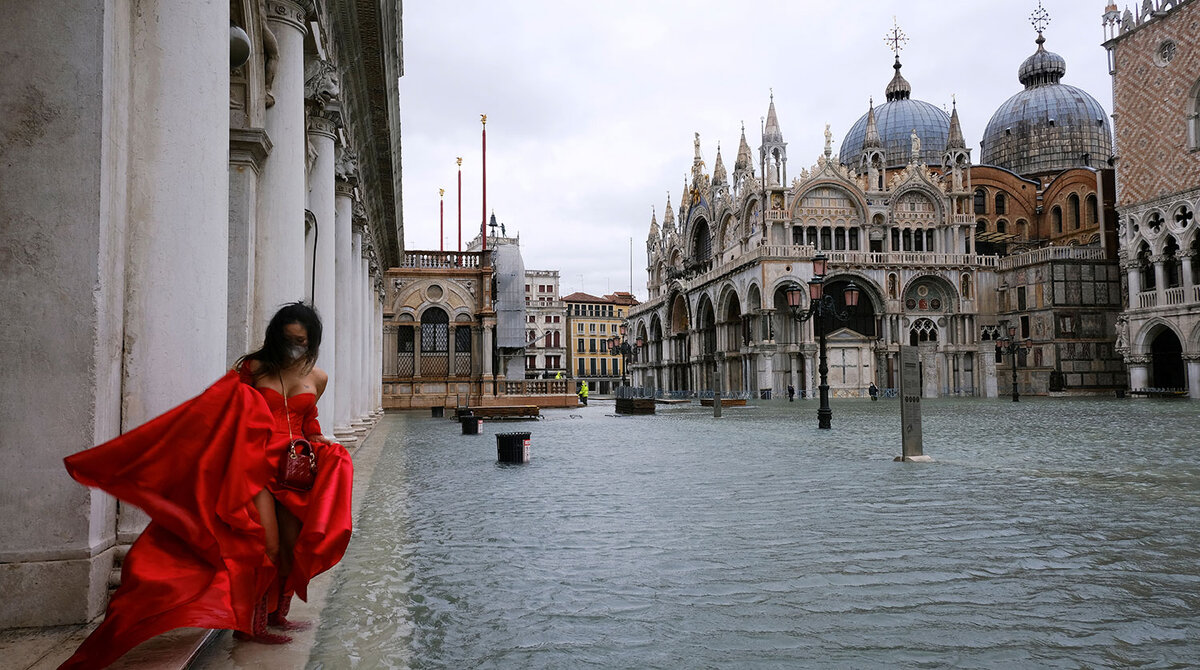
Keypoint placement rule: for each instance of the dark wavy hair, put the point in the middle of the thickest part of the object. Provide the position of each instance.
(273, 356)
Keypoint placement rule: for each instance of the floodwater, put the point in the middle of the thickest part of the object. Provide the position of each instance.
(1050, 533)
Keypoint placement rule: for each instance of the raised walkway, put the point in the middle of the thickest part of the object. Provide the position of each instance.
(197, 648)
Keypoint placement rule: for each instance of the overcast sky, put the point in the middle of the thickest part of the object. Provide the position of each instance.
(592, 106)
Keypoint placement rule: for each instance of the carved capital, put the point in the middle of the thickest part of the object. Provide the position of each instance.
(1158, 258)
(1137, 359)
(321, 124)
(288, 12)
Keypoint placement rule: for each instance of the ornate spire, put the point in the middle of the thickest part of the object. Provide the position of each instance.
(899, 88)
(744, 161)
(668, 217)
(653, 237)
(956, 140)
(719, 174)
(872, 140)
(772, 133)
(1043, 67)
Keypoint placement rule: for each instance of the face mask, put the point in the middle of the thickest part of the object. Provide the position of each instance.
(296, 352)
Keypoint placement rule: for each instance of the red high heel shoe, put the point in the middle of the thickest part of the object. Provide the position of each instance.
(260, 633)
(279, 619)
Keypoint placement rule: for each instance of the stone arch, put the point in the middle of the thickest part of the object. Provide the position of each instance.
(680, 319)
(753, 298)
(1140, 342)
(922, 329)
(706, 324)
(936, 287)
(870, 301)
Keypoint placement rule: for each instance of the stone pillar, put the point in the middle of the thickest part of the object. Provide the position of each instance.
(987, 369)
(321, 202)
(248, 150)
(1134, 273)
(1189, 279)
(1192, 361)
(929, 370)
(344, 277)
(486, 354)
(366, 319)
(377, 351)
(1139, 371)
(390, 350)
(1160, 277)
(416, 351)
(354, 344)
(279, 238)
(115, 171)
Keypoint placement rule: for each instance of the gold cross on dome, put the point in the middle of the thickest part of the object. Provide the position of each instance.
(895, 38)
(1040, 18)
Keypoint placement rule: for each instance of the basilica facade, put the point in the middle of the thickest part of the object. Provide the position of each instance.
(948, 255)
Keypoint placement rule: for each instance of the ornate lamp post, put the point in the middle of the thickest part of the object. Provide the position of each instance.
(620, 347)
(1009, 345)
(822, 307)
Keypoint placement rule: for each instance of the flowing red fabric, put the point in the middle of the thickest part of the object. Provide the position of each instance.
(201, 562)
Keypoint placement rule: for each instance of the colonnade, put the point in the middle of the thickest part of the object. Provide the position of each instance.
(155, 243)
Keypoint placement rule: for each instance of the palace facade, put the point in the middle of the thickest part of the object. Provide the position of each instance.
(947, 255)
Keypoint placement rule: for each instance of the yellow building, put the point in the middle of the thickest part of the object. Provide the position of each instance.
(591, 323)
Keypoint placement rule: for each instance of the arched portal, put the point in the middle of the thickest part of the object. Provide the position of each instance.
(736, 336)
(1166, 360)
(679, 345)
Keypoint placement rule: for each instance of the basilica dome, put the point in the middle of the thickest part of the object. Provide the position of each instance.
(896, 120)
(1048, 127)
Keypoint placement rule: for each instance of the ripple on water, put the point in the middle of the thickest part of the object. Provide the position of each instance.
(758, 541)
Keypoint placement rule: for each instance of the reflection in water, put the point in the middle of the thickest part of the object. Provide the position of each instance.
(1042, 536)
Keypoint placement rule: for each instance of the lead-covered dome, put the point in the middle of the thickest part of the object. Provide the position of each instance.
(1048, 127)
(896, 120)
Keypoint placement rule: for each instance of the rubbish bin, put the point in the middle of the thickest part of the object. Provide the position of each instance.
(471, 424)
(512, 447)
(437, 411)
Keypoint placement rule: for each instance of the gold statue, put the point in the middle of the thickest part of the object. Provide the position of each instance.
(483, 119)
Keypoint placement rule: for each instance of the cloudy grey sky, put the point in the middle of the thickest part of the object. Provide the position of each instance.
(592, 106)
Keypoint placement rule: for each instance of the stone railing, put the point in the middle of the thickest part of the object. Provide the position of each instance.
(923, 258)
(537, 387)
(1052, 254)
(441, 259)
(1148, 299)
(1175, 296)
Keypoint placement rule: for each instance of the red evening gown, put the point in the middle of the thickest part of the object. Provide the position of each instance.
(201, 562)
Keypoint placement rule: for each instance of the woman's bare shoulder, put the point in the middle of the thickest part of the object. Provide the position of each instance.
(319, 379)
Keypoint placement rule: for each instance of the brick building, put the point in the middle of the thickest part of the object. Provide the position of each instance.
(1154, 60)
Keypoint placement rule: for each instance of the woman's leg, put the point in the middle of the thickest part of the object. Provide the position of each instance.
(289, 533)
(264, 502)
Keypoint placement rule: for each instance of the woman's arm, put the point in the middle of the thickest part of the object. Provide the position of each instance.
(265, 503)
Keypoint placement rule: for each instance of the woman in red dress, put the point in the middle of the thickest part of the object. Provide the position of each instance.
(226, 546)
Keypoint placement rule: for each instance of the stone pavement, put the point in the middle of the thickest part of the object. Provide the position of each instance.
(195, 648)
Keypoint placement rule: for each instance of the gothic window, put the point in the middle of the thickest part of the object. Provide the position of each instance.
(1093, 214)
(405, 346)
(907, 235)
(797, 235)
(435, 342)
(980, 201)
(1183, 217)
(826, 239)
(1000, 204)
(1171, 265)
(1143, 261)
(1056, 219)
(895, 239)
(918, 240)
(922, 330)
(852, 238)
(701, 243)
(1155, 221)
(839, 239)
(1073, 203)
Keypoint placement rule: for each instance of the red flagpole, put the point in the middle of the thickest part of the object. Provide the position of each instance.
(459, 205)
(483, 224)
(441, 219)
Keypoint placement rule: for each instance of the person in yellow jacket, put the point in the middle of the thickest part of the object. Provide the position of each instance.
(559, 375)
(583, 392)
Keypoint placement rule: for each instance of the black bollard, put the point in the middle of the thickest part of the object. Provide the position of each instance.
(512, 447)
(471, 424)
(437, 411)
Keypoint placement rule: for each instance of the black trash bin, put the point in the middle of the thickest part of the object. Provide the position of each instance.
(512, 447)
(471, 424)
(437, 411)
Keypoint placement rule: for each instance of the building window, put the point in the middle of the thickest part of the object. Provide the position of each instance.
(531, 362)
(1000, 203)
(1001, 226)
(1056, 219)
(965, 283)
(1073, 203)
(980, 201)
(592, 345)
(580, 367)
(581, 350)
(603, 367)
(1093, 214)
(581, 327)
(923, 330)
(591, 327)
(592, 365)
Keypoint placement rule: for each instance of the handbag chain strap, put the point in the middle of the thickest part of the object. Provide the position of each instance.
(287, 415)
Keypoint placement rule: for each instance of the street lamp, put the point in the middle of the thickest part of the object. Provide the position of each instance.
(618, 346)
(1009, 345)
(822, 307)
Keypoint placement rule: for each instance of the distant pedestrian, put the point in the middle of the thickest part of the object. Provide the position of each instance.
(873, 391)
(791, 392)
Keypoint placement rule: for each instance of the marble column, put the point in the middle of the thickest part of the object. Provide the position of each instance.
(1192, 361)
(279, 238)
(366, 317)
(1160, 277)
(343, 294)
(116, 181)
(987, 369)
(1189, 278)
(354, 344)
(1139, 371)
(377, 352)
(176, 275)
(322, 132)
